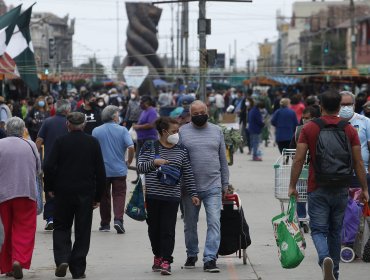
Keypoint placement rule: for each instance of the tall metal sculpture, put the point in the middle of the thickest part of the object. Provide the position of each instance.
(142, 42)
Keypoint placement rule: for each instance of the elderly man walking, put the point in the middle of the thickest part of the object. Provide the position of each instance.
(114, 141)
(75, 175)
(17, 198)
(52, 128)
(204, 141)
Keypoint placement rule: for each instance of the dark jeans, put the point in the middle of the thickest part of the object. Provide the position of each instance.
(118, 194)
(326, 210)
(161, 220)
(69, 208)
(283, 145)
(248, 140)
(48, 207)
(255, 143)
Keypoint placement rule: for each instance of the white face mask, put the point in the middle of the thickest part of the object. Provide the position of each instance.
(247, 104)
(346, 112)
(100, 104)
(133, 96)
(173, 138)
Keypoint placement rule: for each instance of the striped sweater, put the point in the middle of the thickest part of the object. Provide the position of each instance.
(178, 156)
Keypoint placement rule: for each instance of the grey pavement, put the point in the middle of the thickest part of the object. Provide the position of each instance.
(129, 256)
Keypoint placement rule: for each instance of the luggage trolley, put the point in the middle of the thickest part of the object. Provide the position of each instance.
(234, 228)
(283, 168)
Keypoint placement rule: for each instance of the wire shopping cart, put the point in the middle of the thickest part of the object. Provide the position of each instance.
(283, 168)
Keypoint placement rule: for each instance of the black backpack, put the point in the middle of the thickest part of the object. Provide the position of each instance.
(333, 164)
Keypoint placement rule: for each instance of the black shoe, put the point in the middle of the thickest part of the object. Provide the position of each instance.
(61, 270)
(83, 276)
(135, 181)
(118, 225)
(17, 270)
(104, 228)
(210, 266)
(190, 262)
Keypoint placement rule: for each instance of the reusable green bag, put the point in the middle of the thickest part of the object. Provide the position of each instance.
(289, 238)
(135, 208)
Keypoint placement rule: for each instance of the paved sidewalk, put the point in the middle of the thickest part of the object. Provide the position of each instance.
(129, 256)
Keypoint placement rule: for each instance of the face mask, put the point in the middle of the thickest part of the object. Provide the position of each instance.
(199, 120)
(173, 138)
(133, 96)
(100, 104)
(247, 104)
(92, 103)
(346, 112)
(212, 99)
(120, 120)
(41, 103)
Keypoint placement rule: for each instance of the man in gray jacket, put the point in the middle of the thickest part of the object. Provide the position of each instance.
(206, 145)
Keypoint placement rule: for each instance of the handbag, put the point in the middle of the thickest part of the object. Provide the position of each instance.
(167, 174)
(135, 208)
(39, 187)
(289, 238)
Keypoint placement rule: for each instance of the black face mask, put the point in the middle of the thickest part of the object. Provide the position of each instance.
(367, 114)
(199, 120)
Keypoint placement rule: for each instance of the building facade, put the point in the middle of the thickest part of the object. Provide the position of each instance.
(52, 39)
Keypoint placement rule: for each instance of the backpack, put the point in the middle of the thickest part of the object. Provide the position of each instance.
(333, 164)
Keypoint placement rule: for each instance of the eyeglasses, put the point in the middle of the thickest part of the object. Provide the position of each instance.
(346, 104)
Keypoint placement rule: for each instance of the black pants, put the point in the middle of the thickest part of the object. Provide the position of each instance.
(283, 145)
(69, 208)
(48, 207)
(162, 217)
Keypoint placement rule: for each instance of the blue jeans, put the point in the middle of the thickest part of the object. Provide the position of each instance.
(212, 203)
(326, 210)
(255, 142)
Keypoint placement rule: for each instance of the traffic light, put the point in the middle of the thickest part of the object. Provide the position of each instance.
(326, 47)
(52, 48)
(46, 69)
(211, 58)
(299, 65)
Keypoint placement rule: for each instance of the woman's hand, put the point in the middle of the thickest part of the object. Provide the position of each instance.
(195, 200)
(160, 161)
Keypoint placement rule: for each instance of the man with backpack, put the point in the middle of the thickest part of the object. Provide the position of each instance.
(335, 151)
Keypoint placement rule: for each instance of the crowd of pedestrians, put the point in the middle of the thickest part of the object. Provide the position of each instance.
(84, 149)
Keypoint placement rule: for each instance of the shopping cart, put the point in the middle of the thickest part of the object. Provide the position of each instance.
(283, 168)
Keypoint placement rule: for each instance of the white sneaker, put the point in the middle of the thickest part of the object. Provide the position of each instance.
(327, 269)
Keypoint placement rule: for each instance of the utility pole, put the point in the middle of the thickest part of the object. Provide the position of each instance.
(94, 67)
(182, 38)
(235, 69)
(202, 33)
(178, 36)
(172, 42)
(353, 35)
(186, 39)
(117, 21)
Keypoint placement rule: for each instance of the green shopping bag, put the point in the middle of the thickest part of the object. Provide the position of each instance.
(289, 238)
(135, 208)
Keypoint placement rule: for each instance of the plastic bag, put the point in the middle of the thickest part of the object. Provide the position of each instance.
(133, 134)
(289, 238)
(135, 208)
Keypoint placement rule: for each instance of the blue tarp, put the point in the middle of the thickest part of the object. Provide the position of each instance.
(159, 83)
(285, 80)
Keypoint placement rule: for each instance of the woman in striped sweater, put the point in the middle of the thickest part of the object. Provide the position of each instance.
(163, 200)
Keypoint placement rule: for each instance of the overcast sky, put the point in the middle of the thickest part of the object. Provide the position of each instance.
(96, 28)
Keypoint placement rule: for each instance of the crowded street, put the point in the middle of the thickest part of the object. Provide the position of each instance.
(127, 256)
(185, 139)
